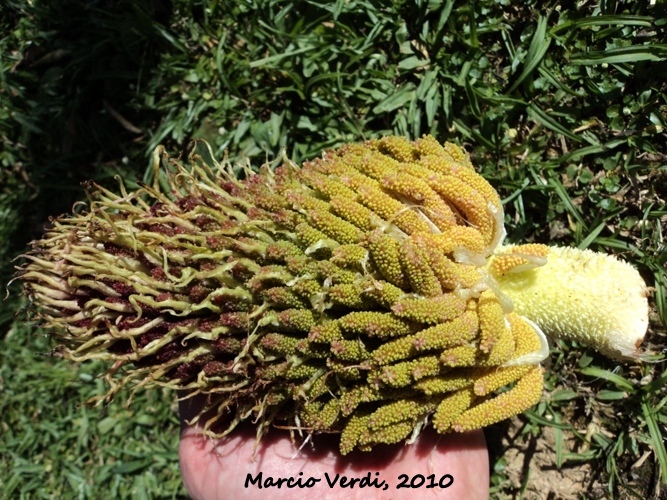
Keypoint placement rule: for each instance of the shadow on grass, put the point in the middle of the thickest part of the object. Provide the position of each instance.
(73, 71)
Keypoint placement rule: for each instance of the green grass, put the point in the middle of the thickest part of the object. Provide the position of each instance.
(564, 112)
(53, 447)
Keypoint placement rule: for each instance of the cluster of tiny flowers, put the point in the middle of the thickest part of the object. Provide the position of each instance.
(349, 295)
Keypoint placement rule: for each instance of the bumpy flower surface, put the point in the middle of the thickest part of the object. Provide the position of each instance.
(608, 295)
(347, 296)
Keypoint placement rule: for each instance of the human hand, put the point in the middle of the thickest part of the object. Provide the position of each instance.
(225, 468)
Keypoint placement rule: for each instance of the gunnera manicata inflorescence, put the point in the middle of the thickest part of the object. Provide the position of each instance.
(361, 293)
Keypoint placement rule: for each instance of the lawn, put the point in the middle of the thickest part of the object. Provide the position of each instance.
(561, 105)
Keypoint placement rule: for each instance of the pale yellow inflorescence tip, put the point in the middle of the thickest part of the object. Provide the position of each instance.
(581, 295)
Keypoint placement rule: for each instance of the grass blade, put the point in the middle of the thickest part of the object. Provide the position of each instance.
(538, 48)
(631, 54)
(604, 20)
(567, 201)
(545, 120)
(657, 439)
(586, 242)
(620, 382)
